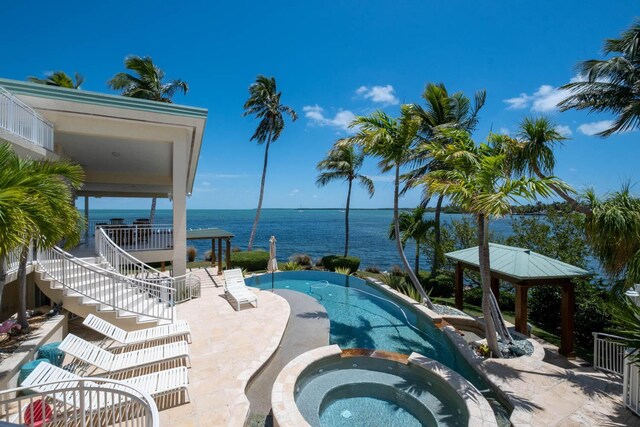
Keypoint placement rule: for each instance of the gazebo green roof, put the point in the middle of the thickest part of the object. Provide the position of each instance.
(519, 264)
(208, 233)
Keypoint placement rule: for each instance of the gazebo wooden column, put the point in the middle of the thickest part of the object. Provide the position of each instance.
(459, 286)
(568, 309)
(228, 254)
(521, 309)
(213, 252)
(219, 256)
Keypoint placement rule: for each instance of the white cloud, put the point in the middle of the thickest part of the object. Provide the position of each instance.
(316, 115)
(381, 178)
(545, 99)
(380, 94)
(294, 192)
(504, 131)
(519, 102)
(564, 130)
(595, 127)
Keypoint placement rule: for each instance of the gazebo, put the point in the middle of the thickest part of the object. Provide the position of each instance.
(524, 269)
(214, 234)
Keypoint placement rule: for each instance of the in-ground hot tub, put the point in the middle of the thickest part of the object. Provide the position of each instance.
(327, 387)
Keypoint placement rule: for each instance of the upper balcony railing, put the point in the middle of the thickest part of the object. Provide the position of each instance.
(18, 118)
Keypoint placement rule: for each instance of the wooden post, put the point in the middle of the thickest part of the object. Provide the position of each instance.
(213, 252)
(228, 254)
(459, 279)
(162, 266)
(219, 256)
(566, 332)
(521, 309)
(495, 288)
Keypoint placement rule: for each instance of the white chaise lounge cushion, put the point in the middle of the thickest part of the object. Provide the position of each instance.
(236, 289)
(176, 329)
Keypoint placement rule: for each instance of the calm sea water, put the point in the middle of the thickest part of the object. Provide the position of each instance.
(314, 232)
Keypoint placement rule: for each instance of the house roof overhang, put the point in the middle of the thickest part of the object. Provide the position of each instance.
(124, 144)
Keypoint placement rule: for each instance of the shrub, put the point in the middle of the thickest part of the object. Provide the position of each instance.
(191, 253)
(373, 269)
(290, 266)
(236, 249)
(473, 296)
(343, 270)
(301, 259)
(441, 286)
(396, 270)
(400, 284)
(251, 261)
(207, 255)
(331, 262)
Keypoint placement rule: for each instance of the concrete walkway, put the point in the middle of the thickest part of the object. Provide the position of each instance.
(308, 328)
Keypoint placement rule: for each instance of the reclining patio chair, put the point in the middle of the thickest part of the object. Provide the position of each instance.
(110, 362)
(158, 333)
(236, 289)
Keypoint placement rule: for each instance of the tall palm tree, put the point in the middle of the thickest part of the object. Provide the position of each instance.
(60, 79)
(391, 140)
(414, 227)
(147, 81)
(478, 178)
(264, 103)
(441, 110)
(343, 163)
(611, 85)
(47, 209)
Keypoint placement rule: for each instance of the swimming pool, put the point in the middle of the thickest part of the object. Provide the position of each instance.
(362, 316)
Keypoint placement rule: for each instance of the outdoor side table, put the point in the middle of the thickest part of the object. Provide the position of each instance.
(51, 353)
(29, 367)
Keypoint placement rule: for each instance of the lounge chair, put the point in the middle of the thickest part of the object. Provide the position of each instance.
(156, 384)
(109, 362)
(236, 289)
(163, 332)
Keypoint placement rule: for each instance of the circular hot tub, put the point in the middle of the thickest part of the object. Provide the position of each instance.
(327, 387)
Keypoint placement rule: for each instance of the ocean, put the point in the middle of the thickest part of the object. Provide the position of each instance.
(316, 232)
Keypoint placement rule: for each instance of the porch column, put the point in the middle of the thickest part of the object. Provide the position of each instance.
(179, 191)
(566, 328)
(213, 252)
(86, 218)
(495, 288)
(521, 309)
(228, 254)
(459, 290)
(219, 256)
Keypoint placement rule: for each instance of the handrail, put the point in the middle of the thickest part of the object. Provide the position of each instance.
(81, 402)
(186, 286)
(109, 287)
(20, 119)
(608, 354)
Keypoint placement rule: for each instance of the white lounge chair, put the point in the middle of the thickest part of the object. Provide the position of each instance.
(109, 362)
(177, 329)
(156, 384)
(236, 289)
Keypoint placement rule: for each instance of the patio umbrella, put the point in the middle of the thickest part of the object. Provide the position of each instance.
(273, 262)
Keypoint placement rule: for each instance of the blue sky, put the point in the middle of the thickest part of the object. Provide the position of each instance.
(333, 60)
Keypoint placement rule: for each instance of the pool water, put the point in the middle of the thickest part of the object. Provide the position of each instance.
(367, 411)
(362, 316)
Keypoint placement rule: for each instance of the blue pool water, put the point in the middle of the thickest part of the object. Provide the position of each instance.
(362, 316)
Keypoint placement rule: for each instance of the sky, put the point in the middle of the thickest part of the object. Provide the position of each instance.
(332, 61)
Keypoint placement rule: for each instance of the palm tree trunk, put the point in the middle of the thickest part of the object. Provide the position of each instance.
(485, 274)
(152, 214)
(264, 175)
(22, 292)
(417, 269)
(346, 220)
(563, 194)
(437, 250)
(403, 257)
(3, 275)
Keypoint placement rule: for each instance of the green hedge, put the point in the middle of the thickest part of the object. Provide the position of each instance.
(507, 301)
(330, 262)
(441, 286)
(250, 261)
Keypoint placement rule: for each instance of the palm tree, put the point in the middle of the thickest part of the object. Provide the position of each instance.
(47, 209)
(478, 178)
(264, 102)
(60, 79)
(413, 226)
(391, 140)
(146, 82)
(442, 110)
(611, 85)
(343, 163)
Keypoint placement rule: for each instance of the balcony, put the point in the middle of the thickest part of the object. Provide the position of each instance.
(20, 120)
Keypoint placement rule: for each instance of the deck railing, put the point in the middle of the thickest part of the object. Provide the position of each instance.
(608, 354)
(12, 260)
(83, 402)
(631, 386)
(138, 237)
(21, 120)
(186, 287)
(152, 298)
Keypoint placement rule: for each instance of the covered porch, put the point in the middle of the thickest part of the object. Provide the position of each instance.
(524, 269)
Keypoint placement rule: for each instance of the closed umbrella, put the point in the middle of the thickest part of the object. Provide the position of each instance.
(273, 262)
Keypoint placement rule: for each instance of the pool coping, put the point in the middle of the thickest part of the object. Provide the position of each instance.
(286, 412)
